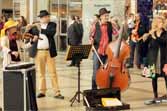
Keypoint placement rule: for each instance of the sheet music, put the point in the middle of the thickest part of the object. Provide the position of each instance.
(108, 102)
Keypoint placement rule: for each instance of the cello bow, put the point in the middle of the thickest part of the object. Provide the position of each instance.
(97, 56)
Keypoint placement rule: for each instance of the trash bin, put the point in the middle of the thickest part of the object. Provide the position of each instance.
(19, 87)
(92, 99)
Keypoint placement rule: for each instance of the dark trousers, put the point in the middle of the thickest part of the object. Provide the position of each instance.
(130, 31)
(139, 56)
(96, 65)
(73, 62)
(144, 53)
(155, 84)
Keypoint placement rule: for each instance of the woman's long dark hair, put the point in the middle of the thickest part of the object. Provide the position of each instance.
(24, 22)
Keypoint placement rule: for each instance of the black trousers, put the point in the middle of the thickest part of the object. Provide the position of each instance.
(135, 46)
(155, 84)
(141, 49)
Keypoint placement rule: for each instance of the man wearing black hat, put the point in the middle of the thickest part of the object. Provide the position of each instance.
(44, 51)
(101, 35)
(75, 34)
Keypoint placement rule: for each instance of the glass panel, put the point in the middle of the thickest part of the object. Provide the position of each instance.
(63, 8)
(75, 7)
(16, 9)
(63, 26)
(63, 14)
(54, 7)
(63, 5)
(19, 8)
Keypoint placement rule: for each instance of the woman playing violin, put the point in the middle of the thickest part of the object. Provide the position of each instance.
(10, 44)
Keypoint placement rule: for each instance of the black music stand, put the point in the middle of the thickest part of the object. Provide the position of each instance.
(77, 53)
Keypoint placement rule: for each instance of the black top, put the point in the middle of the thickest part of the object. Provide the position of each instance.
(50, 31)
(13, 47)
(142, 29)
(75, 33)
(154, 45)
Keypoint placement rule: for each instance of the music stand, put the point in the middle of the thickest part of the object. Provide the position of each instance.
(77, 53)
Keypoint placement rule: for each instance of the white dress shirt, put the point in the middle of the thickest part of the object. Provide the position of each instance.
(44, 43)
(131, 23)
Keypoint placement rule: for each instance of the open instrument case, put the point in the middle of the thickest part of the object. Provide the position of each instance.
(92, 99)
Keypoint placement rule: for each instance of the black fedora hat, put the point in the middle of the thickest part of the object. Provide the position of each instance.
(43, 13)
(103, 11)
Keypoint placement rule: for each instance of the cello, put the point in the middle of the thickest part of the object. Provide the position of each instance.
(114, 73)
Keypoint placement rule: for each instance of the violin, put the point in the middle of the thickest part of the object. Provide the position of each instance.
(28, 36)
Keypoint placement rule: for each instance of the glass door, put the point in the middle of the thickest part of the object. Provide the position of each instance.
(62, 10)
(63, 14)
(54, 7)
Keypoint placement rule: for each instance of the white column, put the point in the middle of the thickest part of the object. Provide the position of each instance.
(31, 10)
(42, 5)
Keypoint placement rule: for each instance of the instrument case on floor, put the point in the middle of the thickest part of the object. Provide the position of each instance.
(92, 99)
(19, 87)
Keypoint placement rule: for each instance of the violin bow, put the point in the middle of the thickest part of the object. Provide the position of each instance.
(97, 55)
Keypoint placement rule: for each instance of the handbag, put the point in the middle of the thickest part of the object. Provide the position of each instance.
(149, 72)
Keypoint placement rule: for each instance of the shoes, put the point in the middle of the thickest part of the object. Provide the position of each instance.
(59, 96)
(152, 101)
(149, 102)
(71, 65)
(163, 98)
(40, 95)
(129, 66)
(138, 66)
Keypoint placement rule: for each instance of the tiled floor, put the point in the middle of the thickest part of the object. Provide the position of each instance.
(139, 90)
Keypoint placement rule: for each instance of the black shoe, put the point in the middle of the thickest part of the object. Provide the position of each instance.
(163, 98)
(59, 96)
(71, 65)
(149, 102)
(138, 66)
(40, 95)
(129, 66)
(153, 101)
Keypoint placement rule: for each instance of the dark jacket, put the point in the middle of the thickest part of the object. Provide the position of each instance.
(33, 49)
(50, 31)
(97, 36)
(143, 46)
(142, 29)
(75, 34)
(153, 47)
(163, 42)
